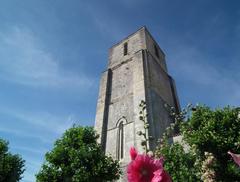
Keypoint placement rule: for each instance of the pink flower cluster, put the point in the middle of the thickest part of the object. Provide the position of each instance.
(144, 168)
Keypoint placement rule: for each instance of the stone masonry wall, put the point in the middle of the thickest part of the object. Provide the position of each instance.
(139, 75)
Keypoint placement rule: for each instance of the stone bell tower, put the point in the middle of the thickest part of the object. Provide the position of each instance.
(136, 71)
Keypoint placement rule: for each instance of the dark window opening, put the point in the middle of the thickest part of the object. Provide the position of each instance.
(120, 142)
(156, 51)
(125, 49)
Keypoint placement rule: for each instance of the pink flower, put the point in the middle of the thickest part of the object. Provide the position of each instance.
(236, 157)
(161, 176)
(143, 167)
(133, 153)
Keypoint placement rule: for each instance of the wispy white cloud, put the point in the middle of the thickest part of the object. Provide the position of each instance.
(105, 24)
(14, 130)
(31, 150)
(193, 67)
(25, 61)
(46, 121)
(42, 120)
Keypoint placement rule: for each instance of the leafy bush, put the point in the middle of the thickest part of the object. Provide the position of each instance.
(77, 157)
(11, 166)
(179, 164)
(206, 131)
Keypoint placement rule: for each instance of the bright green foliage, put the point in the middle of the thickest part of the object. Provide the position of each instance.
(213, 131)
(216, 132)
(77, 157)
(11, 166)
(180, 165)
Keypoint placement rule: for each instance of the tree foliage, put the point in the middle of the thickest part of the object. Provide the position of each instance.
(178, 163)
(77, 157)
(207, 132)
(11, 166)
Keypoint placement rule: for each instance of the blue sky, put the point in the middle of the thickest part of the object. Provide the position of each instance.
(52, 54)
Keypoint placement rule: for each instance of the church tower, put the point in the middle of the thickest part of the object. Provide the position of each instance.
(136, 71)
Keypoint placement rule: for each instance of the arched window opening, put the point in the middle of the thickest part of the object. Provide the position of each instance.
(120, 141)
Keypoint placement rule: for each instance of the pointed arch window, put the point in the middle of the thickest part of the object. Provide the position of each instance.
(120, 139)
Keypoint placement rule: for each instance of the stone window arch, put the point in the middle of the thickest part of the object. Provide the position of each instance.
(120, 138)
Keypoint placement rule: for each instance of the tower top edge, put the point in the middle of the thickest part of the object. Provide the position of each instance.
(130, 35)
(143, 28)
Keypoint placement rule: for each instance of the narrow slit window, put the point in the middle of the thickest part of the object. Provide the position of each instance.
(120, 142)
(125, 49)
(156, 51)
